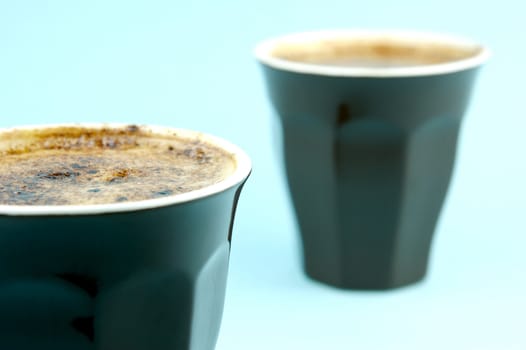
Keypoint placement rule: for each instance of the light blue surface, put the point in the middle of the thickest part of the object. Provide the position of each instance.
(189, 64)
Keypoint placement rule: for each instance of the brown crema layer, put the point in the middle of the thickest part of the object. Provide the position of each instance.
(80, 165)
(372, 52)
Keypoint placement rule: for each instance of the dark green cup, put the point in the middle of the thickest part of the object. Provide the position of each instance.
(370, 123)
(145, 275)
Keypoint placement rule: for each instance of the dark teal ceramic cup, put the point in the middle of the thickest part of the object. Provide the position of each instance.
(370, 122)
(145, 275)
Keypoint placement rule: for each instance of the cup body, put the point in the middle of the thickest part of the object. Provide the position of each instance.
(139, 275)
(369, 156)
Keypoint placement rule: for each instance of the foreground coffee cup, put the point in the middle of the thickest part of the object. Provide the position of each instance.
(370, 123)
(126, 274)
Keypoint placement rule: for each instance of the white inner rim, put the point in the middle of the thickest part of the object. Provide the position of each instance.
(264, 53)
(242, 170)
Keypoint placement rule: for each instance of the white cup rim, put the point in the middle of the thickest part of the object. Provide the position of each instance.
(263, 53)
(240, 174)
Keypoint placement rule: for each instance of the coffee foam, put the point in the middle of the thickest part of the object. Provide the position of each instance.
(371, 53)
(382, 51)
(79, 165)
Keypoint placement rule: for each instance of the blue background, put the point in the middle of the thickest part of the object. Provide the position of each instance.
(189, 64)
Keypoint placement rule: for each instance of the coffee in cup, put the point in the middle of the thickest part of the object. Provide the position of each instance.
(370, 122)
(83, 269)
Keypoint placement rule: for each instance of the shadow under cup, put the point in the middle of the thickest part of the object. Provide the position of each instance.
(370, 122)
(144, 275)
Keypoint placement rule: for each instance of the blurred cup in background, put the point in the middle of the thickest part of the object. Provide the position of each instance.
(370, 123)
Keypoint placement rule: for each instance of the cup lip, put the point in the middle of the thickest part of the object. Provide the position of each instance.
(240, 174)
(263, 53)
